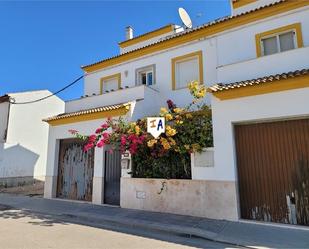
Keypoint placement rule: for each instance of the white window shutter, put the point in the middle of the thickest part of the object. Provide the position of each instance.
(110, 84)
(186, 71)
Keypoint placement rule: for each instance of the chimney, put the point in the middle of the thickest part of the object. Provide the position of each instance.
(129, 33)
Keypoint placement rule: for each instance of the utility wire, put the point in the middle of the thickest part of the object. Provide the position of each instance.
(12, 100)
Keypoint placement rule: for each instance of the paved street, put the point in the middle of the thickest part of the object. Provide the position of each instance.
(19, 229)
(34, 222)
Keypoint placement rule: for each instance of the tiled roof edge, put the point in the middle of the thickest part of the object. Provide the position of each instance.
(88, 111)
(262, 80)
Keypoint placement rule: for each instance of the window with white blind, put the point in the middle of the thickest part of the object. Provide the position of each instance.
(279, 40)
(110, 83)
(278, 43)
(187, 68)
(186, 71)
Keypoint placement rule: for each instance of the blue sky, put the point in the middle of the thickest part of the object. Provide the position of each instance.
(44, 43)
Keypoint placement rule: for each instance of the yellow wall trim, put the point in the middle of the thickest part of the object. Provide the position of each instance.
(117, 75)
(147, 36)
(199, 55)
(264, 88)
(89, 116)
(295, 26)
(200, 33)
(240, 3)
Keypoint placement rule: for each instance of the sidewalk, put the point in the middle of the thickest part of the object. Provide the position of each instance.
(237, 233)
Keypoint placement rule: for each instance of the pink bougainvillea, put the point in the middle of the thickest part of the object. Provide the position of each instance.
(117, 133)
(187, 130)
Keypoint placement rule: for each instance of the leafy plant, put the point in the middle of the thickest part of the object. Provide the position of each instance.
(188, 130)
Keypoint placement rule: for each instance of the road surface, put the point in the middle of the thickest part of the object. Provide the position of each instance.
(20, 229)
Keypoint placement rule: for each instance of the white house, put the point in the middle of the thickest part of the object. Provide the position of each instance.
(23, 136)
(261, 38)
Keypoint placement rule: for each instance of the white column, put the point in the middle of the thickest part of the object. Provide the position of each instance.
(98, 177)
(50, 185)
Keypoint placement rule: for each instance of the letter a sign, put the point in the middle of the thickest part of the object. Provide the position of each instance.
(155, 126)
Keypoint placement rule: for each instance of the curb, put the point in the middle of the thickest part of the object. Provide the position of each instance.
(171, 229)
(121, 224)
(109, 222)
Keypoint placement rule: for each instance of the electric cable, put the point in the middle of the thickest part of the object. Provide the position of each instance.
(12, 100)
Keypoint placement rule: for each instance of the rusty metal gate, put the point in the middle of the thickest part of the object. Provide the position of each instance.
(112, 177)
(273, 171)
(75, 171)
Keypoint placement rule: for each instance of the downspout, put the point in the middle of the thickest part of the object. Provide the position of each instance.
(7, 121)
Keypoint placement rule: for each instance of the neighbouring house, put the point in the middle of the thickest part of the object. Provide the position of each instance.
(23, 136)
(255, 63)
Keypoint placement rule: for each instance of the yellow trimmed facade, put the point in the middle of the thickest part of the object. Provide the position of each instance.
(116, 76)
(223, 51)
(263, 88)
(296, 27)
(161, 31)
(199, 55)
(240, 3)
(89, 116)
(213, 29)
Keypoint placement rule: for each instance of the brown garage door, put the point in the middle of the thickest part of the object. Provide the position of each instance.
(273, 171)
(75, 171)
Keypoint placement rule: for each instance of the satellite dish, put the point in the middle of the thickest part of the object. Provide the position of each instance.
(185, 18)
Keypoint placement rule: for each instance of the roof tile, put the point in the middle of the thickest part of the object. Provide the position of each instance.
(263, 80)
(206, 25)
(88, 111)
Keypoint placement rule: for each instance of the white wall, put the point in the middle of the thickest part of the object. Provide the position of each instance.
(284, 62)
(56, 133)
(239, 45)
(209, 199)
(229, 56)
(86, 128)
(177, 29)
(252, 6)
(202, 164)
(149, 106)
(163, 71)
(145, 43)
(4, 109)
(117, 97)
(280, 105)
(220, 53)
(24, 153)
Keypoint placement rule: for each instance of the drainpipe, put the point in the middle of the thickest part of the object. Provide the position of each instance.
(7, 121)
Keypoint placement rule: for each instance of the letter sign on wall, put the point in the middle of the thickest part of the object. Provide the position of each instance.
(155, 126)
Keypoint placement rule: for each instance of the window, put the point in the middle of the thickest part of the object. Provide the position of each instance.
(145, 76)
(187, 68)
(279, 40)
(278, 43)
(110, 83)
(186, 71)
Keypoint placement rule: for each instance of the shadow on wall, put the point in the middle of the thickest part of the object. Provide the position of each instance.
(17, 164)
